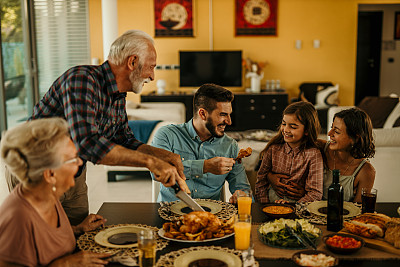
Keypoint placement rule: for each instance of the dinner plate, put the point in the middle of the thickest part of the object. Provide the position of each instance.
(178, 208)
(228, 258)
(161, 233)
(320, 208)
(102, 237)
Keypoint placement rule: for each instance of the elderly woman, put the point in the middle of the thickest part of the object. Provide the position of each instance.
(351, 144)
(34, 229)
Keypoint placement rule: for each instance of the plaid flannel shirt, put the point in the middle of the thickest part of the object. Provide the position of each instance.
(303, 166)
(88, 98)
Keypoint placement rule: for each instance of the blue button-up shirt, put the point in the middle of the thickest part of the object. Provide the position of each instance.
(182, 139)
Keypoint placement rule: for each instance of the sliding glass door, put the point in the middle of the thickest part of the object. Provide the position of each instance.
(16, 59)
(40, 39)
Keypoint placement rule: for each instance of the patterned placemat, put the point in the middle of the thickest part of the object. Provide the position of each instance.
(302, 212)
(169, 259)
(86, 242)
(228, 210)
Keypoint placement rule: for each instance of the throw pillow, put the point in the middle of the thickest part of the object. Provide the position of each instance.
(378, 108)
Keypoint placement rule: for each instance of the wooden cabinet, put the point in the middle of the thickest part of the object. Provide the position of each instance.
(250, 111)
(258, 111)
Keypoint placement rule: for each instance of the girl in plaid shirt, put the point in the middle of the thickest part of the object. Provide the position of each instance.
(292, 165)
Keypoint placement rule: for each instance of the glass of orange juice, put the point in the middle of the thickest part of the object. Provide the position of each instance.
(244, 199)
(242, 227)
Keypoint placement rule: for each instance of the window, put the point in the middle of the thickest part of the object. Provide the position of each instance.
(62, 38)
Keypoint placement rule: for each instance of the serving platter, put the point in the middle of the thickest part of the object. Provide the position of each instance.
(319, 208)
(231, 260)
(376, 243)
(161, 233)
(277, 235)
(225, 210)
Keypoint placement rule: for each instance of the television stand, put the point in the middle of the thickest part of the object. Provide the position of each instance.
(250, 111)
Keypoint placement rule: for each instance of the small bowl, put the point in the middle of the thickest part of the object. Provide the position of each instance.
(279, 215)
(296, 256)
(343, 250)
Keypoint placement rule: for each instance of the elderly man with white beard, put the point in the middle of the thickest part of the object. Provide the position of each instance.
(92, 100)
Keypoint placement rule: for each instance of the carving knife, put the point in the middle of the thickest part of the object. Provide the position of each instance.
(186, 198)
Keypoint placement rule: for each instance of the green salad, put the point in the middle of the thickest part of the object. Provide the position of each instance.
(275, 234)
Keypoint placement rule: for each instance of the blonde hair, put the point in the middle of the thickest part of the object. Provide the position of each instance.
(32, 147)
(132, 42)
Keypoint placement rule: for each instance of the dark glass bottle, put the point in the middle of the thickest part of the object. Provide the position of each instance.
(335, 204)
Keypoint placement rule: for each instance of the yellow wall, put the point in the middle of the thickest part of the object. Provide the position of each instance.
(333, 22)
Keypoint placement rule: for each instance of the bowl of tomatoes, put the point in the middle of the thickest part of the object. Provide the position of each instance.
(343, 243)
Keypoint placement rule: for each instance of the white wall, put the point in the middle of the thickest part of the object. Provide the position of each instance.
(389, 78)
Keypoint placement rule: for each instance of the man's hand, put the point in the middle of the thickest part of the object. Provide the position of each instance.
(175, 160)
(277, 185)
(295, 191)
(218, 165)
(167, 174)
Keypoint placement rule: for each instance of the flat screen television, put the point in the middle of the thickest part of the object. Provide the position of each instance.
(223, 68)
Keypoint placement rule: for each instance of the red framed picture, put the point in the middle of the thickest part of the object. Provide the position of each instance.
(256, 17)
(397, 26)
(173, 18)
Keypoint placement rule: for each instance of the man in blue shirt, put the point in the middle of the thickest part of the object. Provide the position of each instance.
(206, 152)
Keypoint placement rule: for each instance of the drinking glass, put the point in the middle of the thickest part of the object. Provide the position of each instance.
(147, 244)
(242, 227)
(244, 199)
(368, 198)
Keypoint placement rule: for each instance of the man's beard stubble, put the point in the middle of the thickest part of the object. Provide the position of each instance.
(211, 128)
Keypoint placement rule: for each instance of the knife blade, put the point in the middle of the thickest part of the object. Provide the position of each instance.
(298, 225)
(186, 198)
(297, 236)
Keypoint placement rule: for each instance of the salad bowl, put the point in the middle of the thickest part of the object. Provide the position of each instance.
(276, 234)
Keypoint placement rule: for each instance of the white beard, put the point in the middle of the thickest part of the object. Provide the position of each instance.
(137, 82)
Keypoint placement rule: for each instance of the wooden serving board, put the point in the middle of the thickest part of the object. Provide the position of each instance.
(376, 243)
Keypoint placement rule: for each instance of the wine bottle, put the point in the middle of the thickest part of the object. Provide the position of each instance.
(335, 204)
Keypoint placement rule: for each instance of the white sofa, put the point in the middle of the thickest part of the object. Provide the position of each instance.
(167, 112)
(387, 155)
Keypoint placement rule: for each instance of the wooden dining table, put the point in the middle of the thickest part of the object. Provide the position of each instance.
(147, 213)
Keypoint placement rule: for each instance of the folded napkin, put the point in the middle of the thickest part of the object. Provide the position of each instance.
(125, 260)
(248, 258)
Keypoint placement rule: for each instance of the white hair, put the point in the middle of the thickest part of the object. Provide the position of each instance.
(132, 42)
(32, 147)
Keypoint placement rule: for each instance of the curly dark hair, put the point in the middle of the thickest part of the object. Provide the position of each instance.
(359, 128)
(208, 95)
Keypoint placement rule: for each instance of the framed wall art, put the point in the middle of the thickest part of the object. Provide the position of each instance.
(173, 18)
(397, 25)
(256, 17)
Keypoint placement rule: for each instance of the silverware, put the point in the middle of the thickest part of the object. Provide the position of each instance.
(298, 225)
(291, 231)
(186, 198)
(299, 228)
